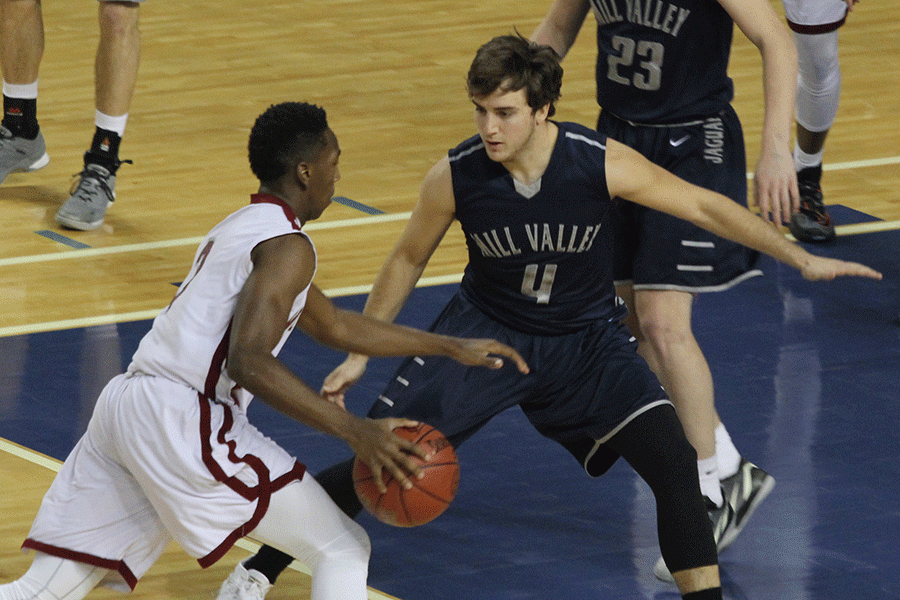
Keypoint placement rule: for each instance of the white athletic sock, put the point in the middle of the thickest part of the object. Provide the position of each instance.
(803, 160)
(25, 91)
(709, 479)
(728, 456)
(116, 124)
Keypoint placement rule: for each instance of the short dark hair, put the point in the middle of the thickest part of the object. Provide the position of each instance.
(284, 136)
(511, 63)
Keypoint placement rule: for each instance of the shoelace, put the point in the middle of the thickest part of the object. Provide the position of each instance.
(90, 180)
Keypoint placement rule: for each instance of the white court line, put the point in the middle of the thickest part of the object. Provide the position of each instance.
(841, 230)
(244, 543)
(190, 241)
(384, 218)
(142, 315)
(856, 164)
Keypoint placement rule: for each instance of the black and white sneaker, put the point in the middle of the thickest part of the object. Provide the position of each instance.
(744, 491)
(722, 518)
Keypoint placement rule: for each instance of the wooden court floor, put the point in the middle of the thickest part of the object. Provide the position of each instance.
(391, 76)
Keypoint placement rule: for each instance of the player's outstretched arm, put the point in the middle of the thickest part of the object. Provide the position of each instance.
(282, 268)
(631, 176)
(430, 219)
(354, 332)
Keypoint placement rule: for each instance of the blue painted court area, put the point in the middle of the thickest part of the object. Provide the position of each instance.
(808, 382)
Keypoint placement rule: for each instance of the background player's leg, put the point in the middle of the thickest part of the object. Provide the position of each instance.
(674, 355)
(53, 578)
(818, 92)
(337, 481)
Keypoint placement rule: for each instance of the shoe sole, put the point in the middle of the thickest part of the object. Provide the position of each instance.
(79, 225)
(38, 164)
(661, 571)
(740, 522)
(817, 235)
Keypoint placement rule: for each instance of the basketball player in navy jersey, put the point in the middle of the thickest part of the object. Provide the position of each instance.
(663, 88)
(534, 199)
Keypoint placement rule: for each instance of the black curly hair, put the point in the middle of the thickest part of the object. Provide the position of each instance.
(285, 135)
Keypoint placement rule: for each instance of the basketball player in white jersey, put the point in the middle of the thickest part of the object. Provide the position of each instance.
(169, 452)
(815, 25)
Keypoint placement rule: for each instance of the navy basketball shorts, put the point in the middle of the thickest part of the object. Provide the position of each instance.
(582, 388)
(654, 250)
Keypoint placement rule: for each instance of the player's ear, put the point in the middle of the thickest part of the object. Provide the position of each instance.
(542, 114)
(303, 174)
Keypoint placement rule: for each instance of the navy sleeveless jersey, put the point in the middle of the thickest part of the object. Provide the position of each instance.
(662, 62)
(541, 265)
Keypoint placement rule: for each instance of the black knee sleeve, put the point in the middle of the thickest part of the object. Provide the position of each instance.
(654, 444)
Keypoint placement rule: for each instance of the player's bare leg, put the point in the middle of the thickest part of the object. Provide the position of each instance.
(21, 40)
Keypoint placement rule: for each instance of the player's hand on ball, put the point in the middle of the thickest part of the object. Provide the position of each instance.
(380, 448)
(483, 353)
(430, 494)
(819, 268)
(343, 377)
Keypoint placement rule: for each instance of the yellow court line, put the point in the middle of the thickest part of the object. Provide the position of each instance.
(383, 218)
(841, 230)
(243, 543)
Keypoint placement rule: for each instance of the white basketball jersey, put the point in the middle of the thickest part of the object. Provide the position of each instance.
(188, 342)
(827, 14)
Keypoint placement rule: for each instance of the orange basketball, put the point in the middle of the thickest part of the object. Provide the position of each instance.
(429, 496)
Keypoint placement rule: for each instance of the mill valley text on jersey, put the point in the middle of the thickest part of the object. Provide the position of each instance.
(540, 258)
(660, 15)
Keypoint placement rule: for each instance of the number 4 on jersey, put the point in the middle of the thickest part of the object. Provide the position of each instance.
(541, 294)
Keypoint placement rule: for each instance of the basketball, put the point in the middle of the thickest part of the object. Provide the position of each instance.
(429, 496)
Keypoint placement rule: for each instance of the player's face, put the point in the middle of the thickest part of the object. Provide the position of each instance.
(506, 123)
(323, 174)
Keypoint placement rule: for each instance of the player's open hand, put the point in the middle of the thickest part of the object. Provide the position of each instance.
(343, 377)
(380, 448)
(775, 187)
(483, 353)
(819, 268)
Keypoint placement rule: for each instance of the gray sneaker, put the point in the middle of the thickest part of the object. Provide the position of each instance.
(722, 521)
(90, 198)
(18, 154)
